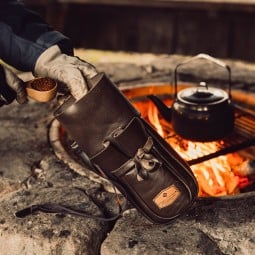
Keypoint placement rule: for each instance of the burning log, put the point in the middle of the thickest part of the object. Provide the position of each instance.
(246, 168)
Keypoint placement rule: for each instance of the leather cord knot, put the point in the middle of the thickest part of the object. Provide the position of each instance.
(144, 161)
(140, 164)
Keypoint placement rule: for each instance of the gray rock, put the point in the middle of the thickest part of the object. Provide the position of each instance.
(50, 233)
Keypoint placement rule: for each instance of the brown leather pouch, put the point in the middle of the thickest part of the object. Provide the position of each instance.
(128, 152)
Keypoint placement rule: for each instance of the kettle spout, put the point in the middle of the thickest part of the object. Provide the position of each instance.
(164, 110)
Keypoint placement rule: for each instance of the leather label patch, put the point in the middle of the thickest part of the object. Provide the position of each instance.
(166, 196)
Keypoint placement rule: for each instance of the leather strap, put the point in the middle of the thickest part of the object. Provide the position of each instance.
(59, 208)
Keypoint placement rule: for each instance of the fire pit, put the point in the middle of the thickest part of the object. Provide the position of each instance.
(222, 167)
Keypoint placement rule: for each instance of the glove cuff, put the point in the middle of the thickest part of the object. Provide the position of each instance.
(44, 60)
(7, 94)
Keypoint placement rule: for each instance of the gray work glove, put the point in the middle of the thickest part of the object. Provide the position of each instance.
(68, 70)
(11, 87)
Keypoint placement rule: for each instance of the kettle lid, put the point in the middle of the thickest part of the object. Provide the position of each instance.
(202, 95)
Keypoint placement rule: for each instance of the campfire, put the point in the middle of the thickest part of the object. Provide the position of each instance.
(219, 168)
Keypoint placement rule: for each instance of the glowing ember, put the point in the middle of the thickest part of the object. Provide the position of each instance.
(216, 177)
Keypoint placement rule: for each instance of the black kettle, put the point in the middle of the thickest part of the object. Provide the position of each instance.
(200, 113)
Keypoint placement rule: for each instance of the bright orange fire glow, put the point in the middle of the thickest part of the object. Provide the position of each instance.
(216, 176)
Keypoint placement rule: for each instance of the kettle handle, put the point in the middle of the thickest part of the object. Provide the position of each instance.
(203, 56)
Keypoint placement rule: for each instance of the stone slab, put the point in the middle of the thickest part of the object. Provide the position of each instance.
(214, 227)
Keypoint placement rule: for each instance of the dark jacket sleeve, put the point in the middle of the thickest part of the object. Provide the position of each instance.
(24, 35)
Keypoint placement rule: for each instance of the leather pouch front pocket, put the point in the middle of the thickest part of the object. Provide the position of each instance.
(133, 161)
(120, 146)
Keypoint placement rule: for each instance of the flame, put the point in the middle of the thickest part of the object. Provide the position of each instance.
(215, 176)
(153, 117)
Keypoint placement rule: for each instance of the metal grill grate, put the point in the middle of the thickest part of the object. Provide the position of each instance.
(242, 137)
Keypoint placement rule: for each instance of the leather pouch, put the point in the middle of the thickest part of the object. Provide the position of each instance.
(128, 152)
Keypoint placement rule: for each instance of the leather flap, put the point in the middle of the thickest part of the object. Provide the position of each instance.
(91, 119)
(122, 144)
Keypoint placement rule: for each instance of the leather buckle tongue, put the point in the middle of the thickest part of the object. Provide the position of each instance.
(145, 162)
(141, 163)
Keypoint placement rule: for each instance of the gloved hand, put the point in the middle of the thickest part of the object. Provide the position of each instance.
(11, 87)
(68, 70)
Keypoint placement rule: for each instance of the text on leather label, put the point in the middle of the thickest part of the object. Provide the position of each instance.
(167, 196)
